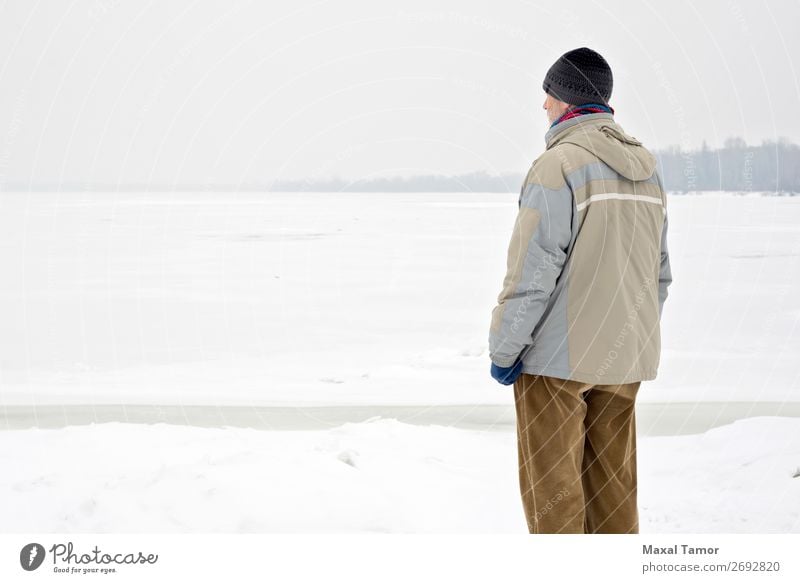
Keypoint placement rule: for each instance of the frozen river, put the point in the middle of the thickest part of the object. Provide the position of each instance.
(257, 300)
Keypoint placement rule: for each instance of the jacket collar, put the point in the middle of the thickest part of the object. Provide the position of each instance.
(563, 129)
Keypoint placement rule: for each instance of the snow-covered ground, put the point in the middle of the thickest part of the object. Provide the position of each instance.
(377, 476)
(303, 299)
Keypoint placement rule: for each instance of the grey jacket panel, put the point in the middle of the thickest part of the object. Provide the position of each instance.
(665, 270)
(536, 255)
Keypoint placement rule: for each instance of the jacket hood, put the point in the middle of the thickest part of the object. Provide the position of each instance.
(602, 136)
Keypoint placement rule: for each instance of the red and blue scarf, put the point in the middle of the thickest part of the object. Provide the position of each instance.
(583, 110)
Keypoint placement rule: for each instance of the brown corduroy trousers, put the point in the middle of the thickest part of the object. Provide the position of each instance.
(577, 455)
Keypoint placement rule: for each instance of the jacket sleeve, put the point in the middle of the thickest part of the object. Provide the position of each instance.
(536, 256)
(665, 272)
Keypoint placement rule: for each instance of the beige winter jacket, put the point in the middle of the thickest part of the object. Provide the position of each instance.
(588, 266)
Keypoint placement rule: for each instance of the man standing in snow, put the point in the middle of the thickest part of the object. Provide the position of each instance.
(576, 327)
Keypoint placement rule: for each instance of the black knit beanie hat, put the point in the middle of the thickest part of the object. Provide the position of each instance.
(579, 76)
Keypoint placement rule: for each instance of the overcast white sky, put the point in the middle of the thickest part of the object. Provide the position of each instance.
(234, 92)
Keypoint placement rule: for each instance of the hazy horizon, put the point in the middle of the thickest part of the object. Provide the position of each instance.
(105, 92)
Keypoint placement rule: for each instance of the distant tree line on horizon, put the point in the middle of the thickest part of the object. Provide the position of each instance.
(773, 166)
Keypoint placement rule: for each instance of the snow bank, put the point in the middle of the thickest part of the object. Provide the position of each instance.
(377, 476)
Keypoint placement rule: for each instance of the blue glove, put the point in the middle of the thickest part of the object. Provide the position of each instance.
(506, 375)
